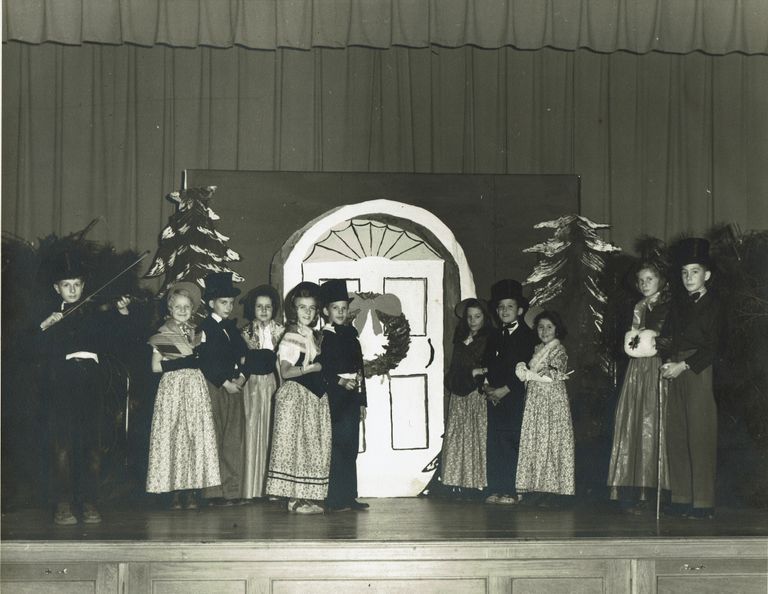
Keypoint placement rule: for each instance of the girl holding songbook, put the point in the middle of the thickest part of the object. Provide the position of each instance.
(183, 455)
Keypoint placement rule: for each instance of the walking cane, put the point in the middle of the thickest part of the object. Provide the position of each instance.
(659, 443)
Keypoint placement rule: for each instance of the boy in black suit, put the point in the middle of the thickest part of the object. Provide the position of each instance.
(688, 340)
(71, 340)
(342, 361)
(507, 346)
(221, 350)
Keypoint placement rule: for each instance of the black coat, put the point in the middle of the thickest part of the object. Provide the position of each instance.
(341, 353)
(502, 354)
(221, 352)
(692, 326)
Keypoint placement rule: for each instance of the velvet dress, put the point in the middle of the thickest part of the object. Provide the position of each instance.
(634, 453)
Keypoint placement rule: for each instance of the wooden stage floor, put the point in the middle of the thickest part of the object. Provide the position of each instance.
(429, 546)
(388, 520)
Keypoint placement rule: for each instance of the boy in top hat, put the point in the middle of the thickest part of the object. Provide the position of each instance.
(688, 341)
(71, 341)
(342, 360)
(221, 351)
(507, 346)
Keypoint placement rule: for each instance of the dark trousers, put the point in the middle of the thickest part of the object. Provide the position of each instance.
(76, 396)
(504, 423)
(692, 438)
(229, 422)
(345, 441)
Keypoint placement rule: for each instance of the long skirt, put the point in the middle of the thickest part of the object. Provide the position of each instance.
(300, 459)
(257, 399)
(546, 463)
(182, 451)
(464, 445)
(635, 452)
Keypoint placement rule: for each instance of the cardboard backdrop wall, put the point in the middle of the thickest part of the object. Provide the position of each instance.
(426, 240)
(491, 216)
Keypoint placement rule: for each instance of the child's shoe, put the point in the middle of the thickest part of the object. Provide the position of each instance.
(492, 498)
(175, 501)
(308, 507)
(191, 501)
(90, 514)
(64, 515)
(507, 500)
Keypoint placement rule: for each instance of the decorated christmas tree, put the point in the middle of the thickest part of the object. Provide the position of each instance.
(570, 278)
(190, 247)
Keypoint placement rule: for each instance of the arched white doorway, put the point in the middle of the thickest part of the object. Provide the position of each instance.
(387, 247)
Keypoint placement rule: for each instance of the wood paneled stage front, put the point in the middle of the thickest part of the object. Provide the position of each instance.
(400, 545)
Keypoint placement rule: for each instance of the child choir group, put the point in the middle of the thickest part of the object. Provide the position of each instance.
(273, 410)
(509, 436)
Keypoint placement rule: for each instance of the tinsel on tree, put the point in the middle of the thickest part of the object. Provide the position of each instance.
(569, 278)
(190, 247)
(572, 259)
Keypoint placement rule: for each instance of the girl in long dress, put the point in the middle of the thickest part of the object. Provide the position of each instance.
(633, 469)
(464, 445)
(300, 459)
(261, 305)
(546, 463)
(182, 451)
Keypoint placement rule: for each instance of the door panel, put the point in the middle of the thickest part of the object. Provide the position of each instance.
(405, 419)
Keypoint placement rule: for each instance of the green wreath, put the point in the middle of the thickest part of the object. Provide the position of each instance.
(398, 331)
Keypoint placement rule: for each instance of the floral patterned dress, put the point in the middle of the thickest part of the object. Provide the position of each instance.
(466, 433)
(182, 445)
(546, 463)
(300, 460)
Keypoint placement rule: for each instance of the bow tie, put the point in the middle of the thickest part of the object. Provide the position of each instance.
(510, 328)
(65, 307)
(694, 296)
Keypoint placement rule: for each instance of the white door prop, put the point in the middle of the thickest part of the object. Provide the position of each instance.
(404, 425)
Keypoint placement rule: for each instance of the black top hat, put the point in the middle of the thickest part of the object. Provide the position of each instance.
(334, 290)
(508, 289)
(218, 285)
(65, 265)
(692, 250)
(249, 301)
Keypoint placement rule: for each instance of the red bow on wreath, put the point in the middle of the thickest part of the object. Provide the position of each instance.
(362, 305)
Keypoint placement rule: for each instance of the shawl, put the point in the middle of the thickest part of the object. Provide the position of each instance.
(173, 340)
(638, 314)
(266, 337)
(538, 360)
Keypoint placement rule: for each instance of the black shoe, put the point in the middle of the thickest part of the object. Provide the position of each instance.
(677, 510)
(358, 505)
(333, 509)
(701, 513)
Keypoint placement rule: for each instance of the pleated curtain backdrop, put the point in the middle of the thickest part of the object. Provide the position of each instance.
(663, 141)
(677, 26)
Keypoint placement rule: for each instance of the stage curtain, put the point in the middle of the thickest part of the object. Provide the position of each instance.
(678, 26)
(663, 143)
